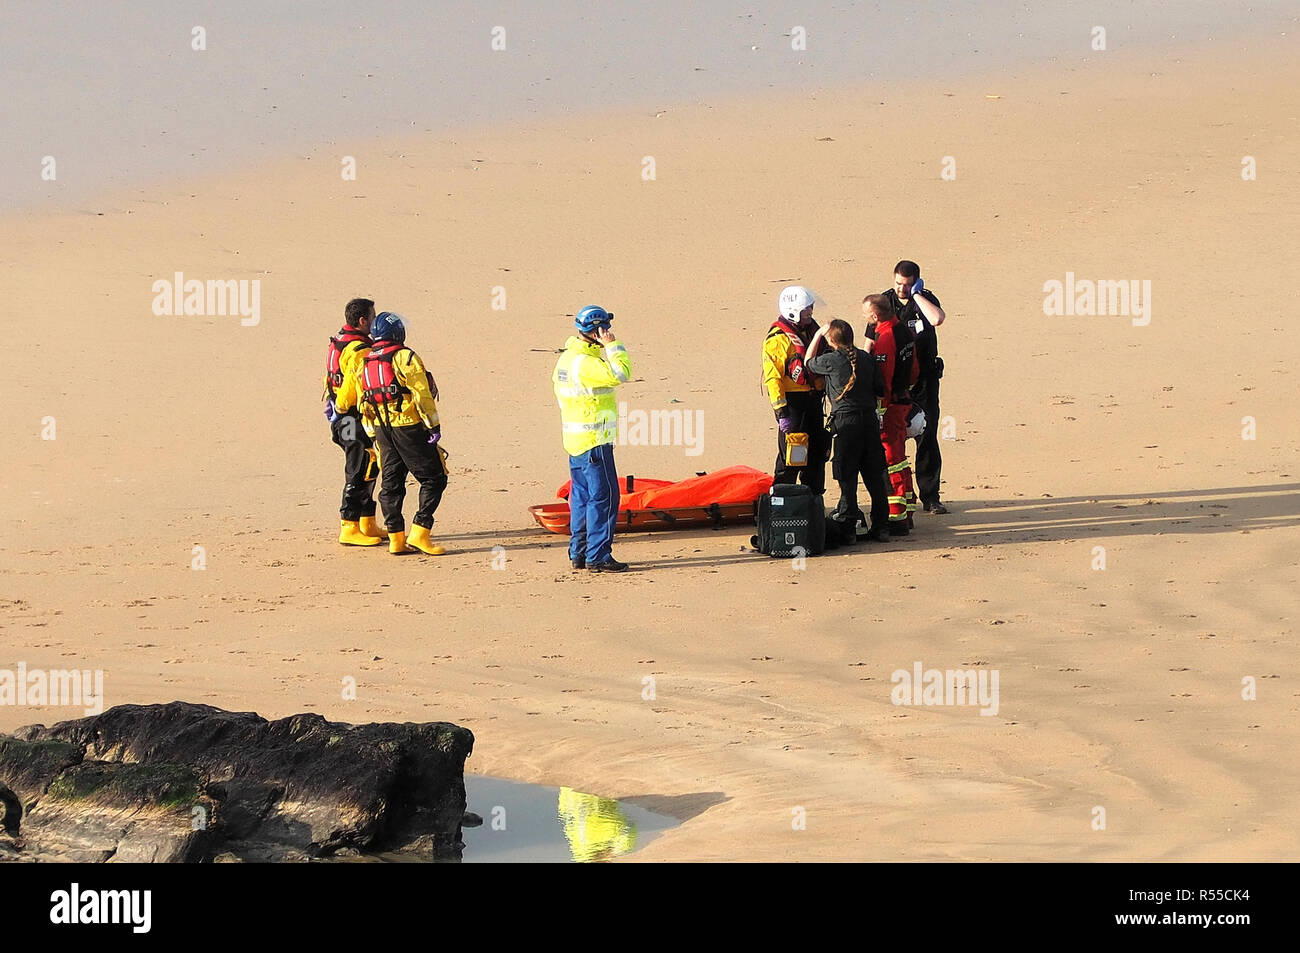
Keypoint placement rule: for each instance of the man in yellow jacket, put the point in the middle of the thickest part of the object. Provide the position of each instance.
(592, 365)
(794, 392)
(346, 350)
(399, 407)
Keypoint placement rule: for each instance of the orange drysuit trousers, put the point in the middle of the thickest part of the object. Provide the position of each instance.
(893, 435)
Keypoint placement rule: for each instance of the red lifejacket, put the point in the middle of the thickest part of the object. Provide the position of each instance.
(333, 373)
(794, 365)
(379, 383)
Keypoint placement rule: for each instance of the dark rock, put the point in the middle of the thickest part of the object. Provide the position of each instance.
(11, 811)
(29, 767)
(183, 782)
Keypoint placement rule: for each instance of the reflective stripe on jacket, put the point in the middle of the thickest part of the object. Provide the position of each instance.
(584, 380)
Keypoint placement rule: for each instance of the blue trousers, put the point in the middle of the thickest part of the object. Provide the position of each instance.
(593, 504)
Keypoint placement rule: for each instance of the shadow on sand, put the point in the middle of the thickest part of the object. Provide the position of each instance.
(1052, 519)
(683, 807)
(981, 523)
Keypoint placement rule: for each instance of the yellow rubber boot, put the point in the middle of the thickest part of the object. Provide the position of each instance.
(370, 528)
(421, 541)
(350, 535)
(397, 544)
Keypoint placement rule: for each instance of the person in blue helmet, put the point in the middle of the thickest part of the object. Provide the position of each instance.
(398, 401)
(593, 363)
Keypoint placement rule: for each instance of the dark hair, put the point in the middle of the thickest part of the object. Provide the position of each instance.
(843, 332)
(907, 269)
(878, 304)
(357, 310)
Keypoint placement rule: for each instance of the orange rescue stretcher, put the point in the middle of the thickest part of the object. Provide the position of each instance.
(711, 499)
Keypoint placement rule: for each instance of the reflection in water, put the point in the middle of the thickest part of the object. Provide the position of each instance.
(522, 823)
(534, 823)
(595, 827)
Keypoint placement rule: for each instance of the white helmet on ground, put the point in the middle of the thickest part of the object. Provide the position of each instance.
(793, 300)
(916, 422)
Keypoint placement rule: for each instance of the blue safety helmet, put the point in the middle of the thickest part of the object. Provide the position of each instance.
(591, 318)
(388, 326)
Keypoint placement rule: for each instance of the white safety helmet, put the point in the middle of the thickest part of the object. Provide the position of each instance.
(916, 423)
(793, 300)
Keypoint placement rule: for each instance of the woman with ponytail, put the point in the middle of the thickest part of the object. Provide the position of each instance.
(853, 384)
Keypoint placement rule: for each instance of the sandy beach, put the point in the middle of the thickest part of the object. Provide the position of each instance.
(1120, 687)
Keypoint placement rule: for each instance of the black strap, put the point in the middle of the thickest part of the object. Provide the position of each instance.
(395, 389)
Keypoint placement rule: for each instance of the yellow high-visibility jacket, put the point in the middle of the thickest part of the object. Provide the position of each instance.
(584, 379)
(419, 406)
(779, 365)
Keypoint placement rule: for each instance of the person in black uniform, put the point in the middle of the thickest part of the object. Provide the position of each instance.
(853, 383)
(919, 307)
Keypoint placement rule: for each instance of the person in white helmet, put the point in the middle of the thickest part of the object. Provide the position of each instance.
(793, 391)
